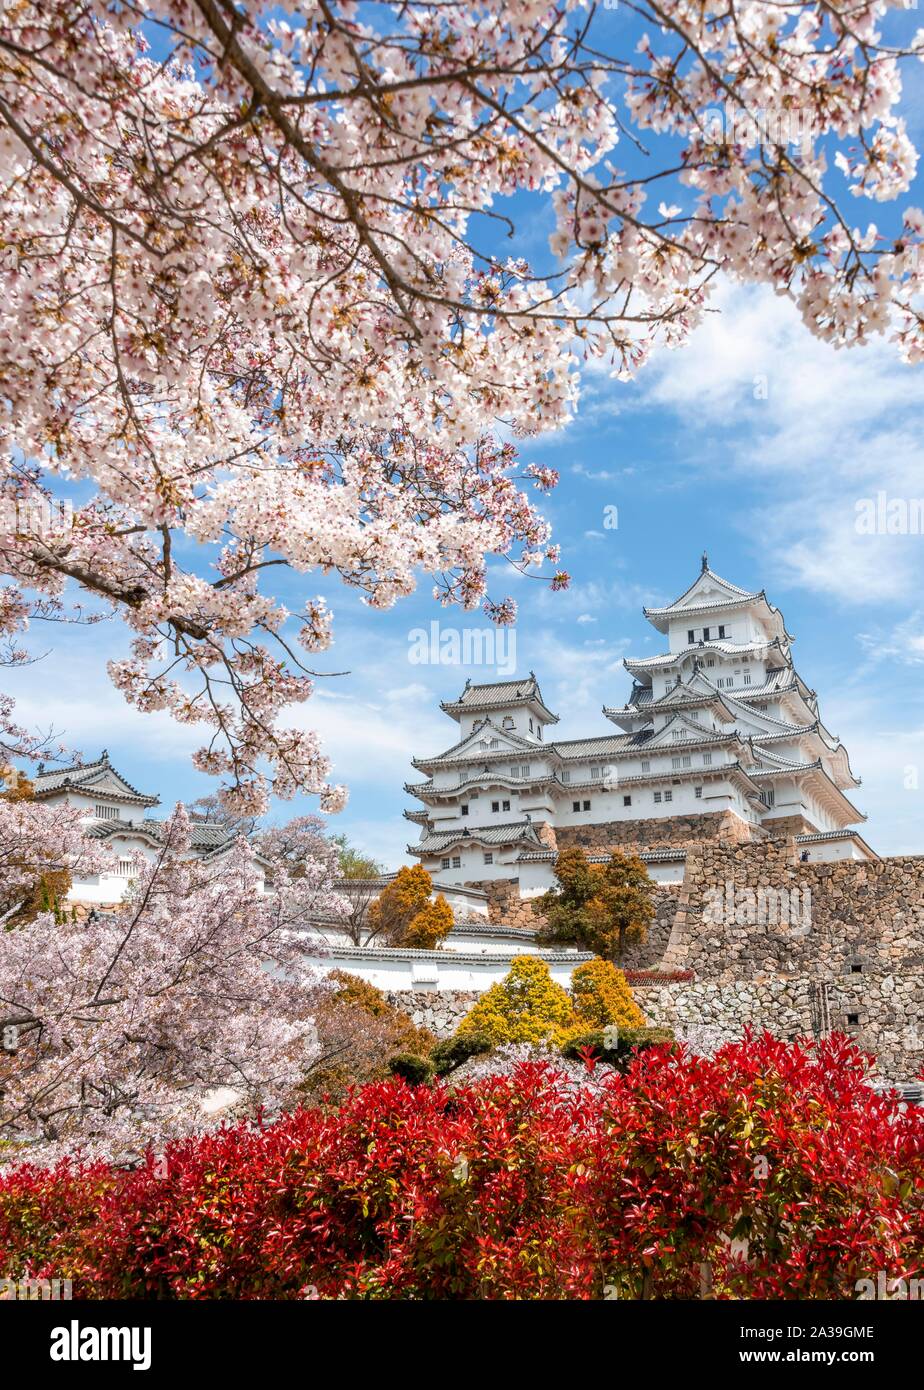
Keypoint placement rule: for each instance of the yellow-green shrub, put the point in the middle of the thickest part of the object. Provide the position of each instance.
(526, 1006)
(602, 995)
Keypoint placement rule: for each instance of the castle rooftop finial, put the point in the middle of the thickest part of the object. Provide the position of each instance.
(705, 562)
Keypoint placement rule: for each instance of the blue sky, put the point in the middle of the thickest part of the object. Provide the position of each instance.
(754, 442)
(693, 456)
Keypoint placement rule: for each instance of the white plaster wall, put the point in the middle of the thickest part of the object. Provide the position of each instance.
(436, 970)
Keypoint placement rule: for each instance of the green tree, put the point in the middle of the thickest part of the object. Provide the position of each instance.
(353, 862)
(603, 907)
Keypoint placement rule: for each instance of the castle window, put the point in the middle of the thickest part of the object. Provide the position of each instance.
(505, 805)
(508, 723)
(531, 730)
(646, 765)
(707, 759)
(463, 809)
(489, 856)
(687, 761)
(107, 812)
(575, 805)
(721, 630)
(853, 1020)
(627, 801)
(657, 796)
(691, 637)
(856, 969)
(126, 868)
(444, 863)
(586, 805)
(668, 796)
(566, 774)
(747, 678)
(495, 805)
(711, 661)
(697, 791)
(457, 861)
(595, 774)
(706, 632)
(675, 762)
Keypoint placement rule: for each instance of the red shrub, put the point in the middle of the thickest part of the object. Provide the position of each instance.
(514, 1186)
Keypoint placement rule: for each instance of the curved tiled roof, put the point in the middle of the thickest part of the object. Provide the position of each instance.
(497, 695)
(507, 834)
(82, 776)
(718, 644)
(203, 835)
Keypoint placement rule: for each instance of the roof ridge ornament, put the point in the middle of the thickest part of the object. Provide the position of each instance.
(705, 562)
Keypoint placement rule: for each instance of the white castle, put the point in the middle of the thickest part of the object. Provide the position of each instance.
(115, 812)
(719, 735)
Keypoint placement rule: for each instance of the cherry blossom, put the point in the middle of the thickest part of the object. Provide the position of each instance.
(126, 1030)
(263, 301)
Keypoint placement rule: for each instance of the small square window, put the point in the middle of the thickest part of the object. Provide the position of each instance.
(575, 805)
(505, 805)
(657, 796)
(697, 791)
(488, 857)
(668, 796)
(853, 1020)
(691, 637)
(457, 861)
(627, 801)
(495, 805)
(586, 805)
(646, 765)
(463, 809)
(706, 632)
(856, 969)
(721, 630)
(446, 862)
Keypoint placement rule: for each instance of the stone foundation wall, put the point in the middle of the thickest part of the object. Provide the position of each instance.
(768, 936)
(799, 948)
(441, 1011)
(663, 832)
(648, 954)
(505, 906)
(789, 825)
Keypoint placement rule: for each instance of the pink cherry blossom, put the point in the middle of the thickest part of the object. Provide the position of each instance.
(252, 302)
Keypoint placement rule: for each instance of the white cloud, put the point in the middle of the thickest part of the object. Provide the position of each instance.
(814, 429)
